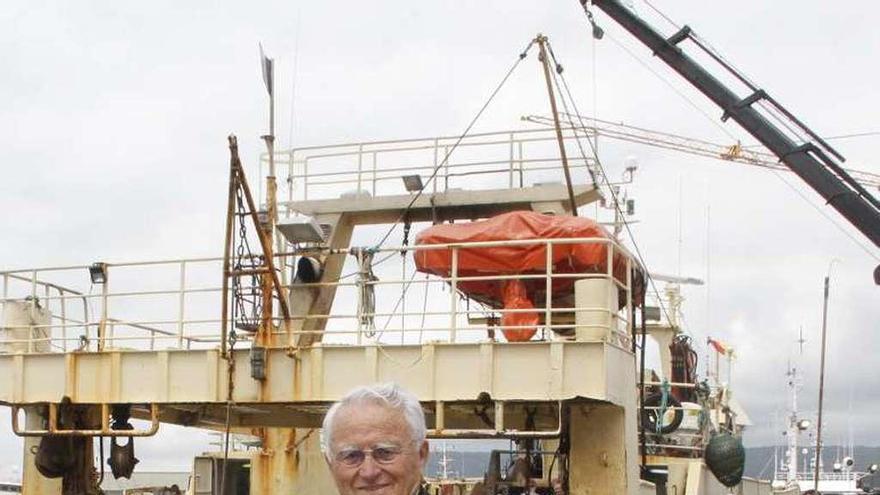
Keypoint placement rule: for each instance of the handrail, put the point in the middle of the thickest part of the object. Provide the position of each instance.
(141, 317)
(364, 165)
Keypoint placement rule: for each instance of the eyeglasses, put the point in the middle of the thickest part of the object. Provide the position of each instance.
(385, 454)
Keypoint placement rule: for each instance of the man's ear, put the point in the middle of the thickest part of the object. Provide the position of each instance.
(423, 453)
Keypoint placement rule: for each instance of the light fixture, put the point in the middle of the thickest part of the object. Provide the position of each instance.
(412, 183)
(98, 272)
(873, 468)
(301, 228)
(803, 424)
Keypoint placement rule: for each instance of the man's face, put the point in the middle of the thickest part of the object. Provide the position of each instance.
(365, 427)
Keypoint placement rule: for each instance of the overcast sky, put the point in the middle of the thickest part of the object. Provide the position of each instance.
(115, 116)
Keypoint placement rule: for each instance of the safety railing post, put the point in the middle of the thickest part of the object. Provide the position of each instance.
(510, 168)
(63, 320)
(102, 326)
(630, 310)
(5, 297)
(33, 309)
(291, 170)
(360, 160)
(436, 161)
(446, 168)
(453, 296)
(375, 166)
(609, 272)
(305, 178)
(360, 299)
(548, 308)
(520, 153)
(181, 305)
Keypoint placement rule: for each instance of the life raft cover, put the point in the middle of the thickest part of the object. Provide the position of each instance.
(581, 257)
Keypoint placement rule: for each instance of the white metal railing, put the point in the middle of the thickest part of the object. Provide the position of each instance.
(174, 304)
(514, 158)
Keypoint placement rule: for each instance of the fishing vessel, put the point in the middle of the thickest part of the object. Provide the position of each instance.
(484, 291)
(797, 467)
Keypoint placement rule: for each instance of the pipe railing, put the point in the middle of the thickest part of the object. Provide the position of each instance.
(367, 166)
(171, 316)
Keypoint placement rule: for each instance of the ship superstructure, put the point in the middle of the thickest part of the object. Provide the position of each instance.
(114, 350)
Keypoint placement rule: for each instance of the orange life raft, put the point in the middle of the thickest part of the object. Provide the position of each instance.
(581, 257)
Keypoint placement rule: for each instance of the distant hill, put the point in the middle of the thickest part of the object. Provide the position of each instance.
(759, 461)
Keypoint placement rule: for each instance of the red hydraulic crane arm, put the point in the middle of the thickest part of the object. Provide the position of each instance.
(813, 161)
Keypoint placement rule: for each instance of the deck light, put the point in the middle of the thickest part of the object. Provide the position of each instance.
(300, 229)
(803, 424)
(98, 272)
(412, 183)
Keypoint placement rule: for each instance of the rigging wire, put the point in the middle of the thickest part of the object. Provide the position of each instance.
(659, 12)
(458, 141)
(671, 86)
(577, 138)
(722, 128)
(825, 214)
(615, 201)
(831, 138)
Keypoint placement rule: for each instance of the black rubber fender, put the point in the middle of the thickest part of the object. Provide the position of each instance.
(649, 416)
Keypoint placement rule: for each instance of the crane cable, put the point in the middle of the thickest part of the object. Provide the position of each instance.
(458, 141)
(723, 129)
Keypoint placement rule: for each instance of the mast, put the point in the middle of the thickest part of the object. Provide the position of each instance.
(793, 429)
(821, 385)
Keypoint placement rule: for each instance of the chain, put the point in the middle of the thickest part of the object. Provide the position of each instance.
(247, 300)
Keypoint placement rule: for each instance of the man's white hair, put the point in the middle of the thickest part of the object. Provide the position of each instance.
(385, 394)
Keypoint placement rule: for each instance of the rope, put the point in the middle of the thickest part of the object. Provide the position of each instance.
(445, 160)
(664, 404)
(366, 291)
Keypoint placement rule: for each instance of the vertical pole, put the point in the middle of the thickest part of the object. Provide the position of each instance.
(63, 320)
(821, 385)
(33, 309)
(267, 326)
(642, 434)
(453, 296)
(542, 40)
(227, 251)
(510, 169)
(102, 327)
(548, 307)
(180, 305)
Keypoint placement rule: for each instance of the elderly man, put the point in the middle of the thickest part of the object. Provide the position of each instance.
(374, 441)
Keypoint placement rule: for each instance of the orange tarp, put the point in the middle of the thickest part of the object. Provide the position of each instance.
(585, 257)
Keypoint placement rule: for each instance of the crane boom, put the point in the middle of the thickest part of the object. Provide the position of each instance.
(684, 144)
(813, 160)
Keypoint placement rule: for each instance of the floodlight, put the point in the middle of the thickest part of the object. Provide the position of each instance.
(300, 229)
(803, 424)
(873, 468)
(412, 183)
(98, 272)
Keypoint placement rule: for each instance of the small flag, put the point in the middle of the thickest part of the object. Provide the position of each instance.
(268, 68)
(720, 347)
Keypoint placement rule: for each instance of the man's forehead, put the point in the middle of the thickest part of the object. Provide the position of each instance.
(370, 419)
